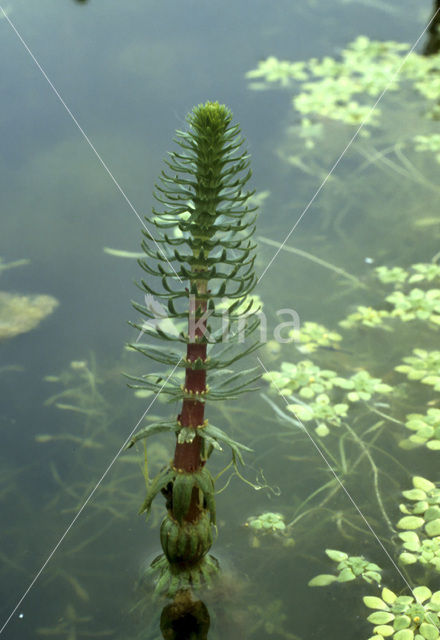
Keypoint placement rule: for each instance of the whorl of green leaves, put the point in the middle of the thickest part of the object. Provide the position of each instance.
(203, 234)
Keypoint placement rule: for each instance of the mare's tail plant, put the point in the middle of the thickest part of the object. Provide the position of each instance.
(202, 255)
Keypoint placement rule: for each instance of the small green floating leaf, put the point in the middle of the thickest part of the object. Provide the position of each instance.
(346, 575)
(407, 558)
(404, 634)
(337, 556)
(322, 580)
(322, 430)
(380, 617)
(384, 630)
(433, 528)
(422, 593)
(428, 631)
(410, 536)
(410, 522)
(423, 483)
(401, 622)
(414, 494)
(373, 602)
(388, 596)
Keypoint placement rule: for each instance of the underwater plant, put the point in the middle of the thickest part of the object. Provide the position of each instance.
(350, 568)
(205, 270)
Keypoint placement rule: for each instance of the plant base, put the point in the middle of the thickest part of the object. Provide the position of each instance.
(172, 578)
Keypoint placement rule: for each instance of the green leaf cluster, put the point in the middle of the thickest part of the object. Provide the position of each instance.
(363, 386)
(304, 376)
(202, 194)
(422, 511)
(423, 366)
(349, 568)
(267, 522)
(323, 411)
(405, 617)
(365, 316)
(416, 305)
(426, 428)
(312, 335)
(179, 486)
(343, 89)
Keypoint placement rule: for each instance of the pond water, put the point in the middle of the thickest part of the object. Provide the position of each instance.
(92, 95)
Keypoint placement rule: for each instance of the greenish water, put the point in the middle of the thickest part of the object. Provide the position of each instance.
(130, 72)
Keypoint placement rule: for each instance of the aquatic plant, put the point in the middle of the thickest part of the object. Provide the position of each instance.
(349, 401)
(393, 275)
(366, 316)
(363, 386)
(314, 335)
(305, 377)
(209, 261)
(269, 524)
(416, 305)
(424, 366)
(20, 314)
(425, 511)
(426, 428)
(343, 89)
(405, 617)
(4, 266)
(349, 568)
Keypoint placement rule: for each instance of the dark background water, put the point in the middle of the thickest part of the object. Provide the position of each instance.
(130, 72)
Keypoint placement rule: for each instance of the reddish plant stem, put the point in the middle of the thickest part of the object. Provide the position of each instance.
(187, 456)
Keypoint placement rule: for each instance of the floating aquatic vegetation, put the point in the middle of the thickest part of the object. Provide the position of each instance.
(425, 271)
(393, 275)
(424, 511)
(367, 317)
(316, 386)
(268, 521)
(428, 271)
(426, 428)
(269, 524)
(363, 386)
(304, 376)
(349, 568)
(323, 411)
(343, 90)
(405, 617)
(313, 335)
(423, 366)
(425, 551)
(416, 305)
(20, 314)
